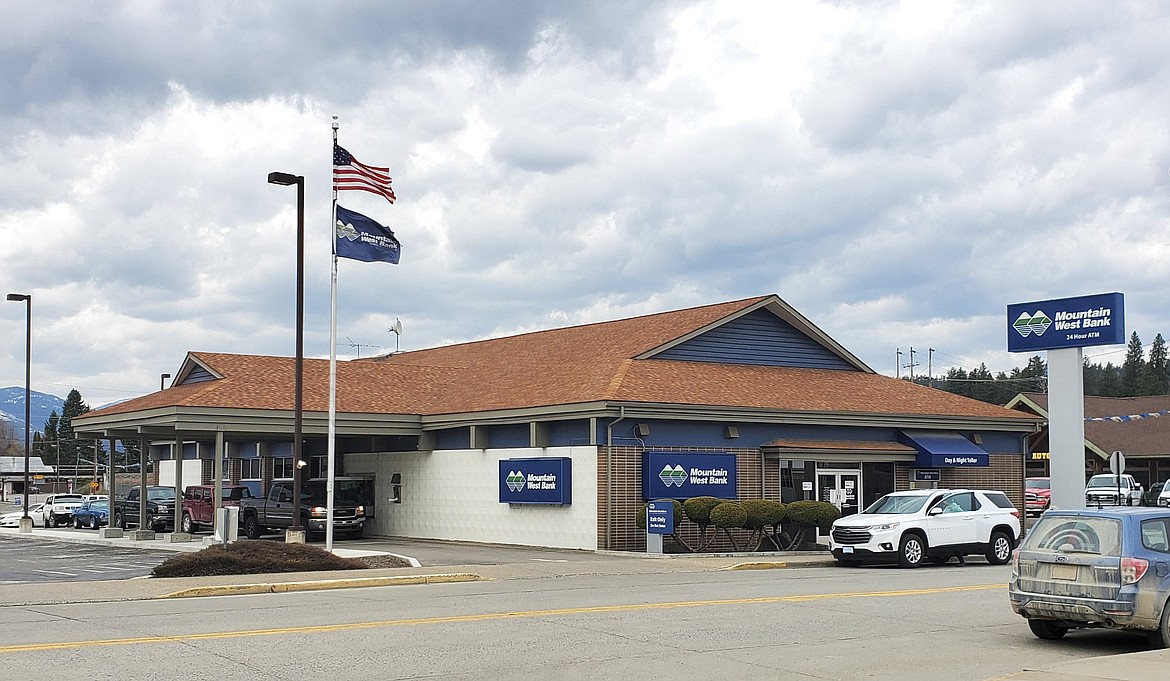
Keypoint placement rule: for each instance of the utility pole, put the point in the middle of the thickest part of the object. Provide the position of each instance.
(898, 364)
(912, 364)
(930, 365)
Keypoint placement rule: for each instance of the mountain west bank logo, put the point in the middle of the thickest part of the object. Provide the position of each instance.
(673, 475)
(515, 481)
(346, 230)
(1032, 324)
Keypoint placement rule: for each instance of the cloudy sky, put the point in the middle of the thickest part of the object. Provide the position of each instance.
(897, 171)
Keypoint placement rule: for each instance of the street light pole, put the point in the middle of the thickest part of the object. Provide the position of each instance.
(296, 533)
(25, 520)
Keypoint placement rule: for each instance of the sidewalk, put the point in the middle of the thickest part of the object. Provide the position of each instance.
(1143, 666)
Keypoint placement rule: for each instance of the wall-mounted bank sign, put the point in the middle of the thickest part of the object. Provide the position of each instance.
(673, 475)
(541, 480)
(1067, 323)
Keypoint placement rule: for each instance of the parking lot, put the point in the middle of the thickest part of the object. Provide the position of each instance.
(30, 560)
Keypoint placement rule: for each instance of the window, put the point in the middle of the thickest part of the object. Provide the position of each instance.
(959, 503)
(1000, 499)
(1156, 535)
(282, 468)
(249, 469)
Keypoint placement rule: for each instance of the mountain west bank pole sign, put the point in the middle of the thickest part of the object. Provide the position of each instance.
(1062, 327)
(540, 480)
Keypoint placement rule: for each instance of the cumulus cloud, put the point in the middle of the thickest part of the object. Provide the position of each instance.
(897, 171)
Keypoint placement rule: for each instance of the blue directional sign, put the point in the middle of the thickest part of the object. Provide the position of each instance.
(539, 480)
(1067, 323)
(674, 475)
(660, 517)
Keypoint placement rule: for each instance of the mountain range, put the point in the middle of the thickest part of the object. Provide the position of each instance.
(41, 405)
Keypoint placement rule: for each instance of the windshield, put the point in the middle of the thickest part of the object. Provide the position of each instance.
(161, 494)
(1037, 483)
(1106, 481)
(102, 505)
(897, 504)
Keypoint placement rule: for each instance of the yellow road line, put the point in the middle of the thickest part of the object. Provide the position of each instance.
(629, 607)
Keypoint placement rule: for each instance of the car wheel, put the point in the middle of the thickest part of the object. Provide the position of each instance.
(52, 520)
(1000, 550)
(76, 523)
(1160, 637)
(252, 528)
(1047, 629)
(912, 551)
(120, 521)
(188, 524)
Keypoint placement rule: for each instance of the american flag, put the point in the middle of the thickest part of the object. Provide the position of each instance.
(349, 173)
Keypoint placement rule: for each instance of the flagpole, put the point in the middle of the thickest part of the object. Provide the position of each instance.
(332, 364)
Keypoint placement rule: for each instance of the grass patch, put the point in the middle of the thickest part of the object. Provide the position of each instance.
(252, 558)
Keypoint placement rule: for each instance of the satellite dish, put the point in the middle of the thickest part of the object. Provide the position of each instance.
(397, 328)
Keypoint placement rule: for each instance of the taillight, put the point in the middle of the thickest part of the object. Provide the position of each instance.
(1132, 569)
(1016, 513)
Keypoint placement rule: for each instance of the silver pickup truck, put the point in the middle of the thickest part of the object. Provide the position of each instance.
(275, 510)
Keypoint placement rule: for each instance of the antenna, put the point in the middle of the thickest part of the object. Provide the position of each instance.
(397, 331)
(358, 346)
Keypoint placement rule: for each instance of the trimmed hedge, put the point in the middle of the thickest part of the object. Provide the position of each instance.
(698, 509)
(762, 513)
(728, 515)
(820, 514)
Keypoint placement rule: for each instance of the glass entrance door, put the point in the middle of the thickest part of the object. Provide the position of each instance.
(840, 488)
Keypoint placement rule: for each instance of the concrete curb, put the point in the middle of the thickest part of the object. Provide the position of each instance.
(778, 564)
(320, 585)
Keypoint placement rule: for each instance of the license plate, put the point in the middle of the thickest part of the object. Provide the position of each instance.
(846, 549)
(1062, 571)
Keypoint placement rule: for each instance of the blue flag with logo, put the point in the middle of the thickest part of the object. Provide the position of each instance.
(360, 238)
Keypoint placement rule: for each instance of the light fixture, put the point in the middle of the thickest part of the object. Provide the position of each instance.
(26, 520)
(296, 531)
(642, 429)
(731, 432)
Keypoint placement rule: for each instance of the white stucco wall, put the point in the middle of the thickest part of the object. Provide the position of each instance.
(454, 494)
(192, 472)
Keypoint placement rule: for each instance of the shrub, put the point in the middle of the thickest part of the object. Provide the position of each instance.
(698, 509)
(678, 513)
(762, 513)
(254, 557)
(819, 514)
(728, 514)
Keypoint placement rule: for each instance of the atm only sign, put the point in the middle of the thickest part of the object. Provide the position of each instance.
(670, 475)
(542, 480)
(1067, 323)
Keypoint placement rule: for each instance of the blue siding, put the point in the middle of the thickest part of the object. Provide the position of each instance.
(758, 338)
(561, 433)
(509, 436)
(198, 375)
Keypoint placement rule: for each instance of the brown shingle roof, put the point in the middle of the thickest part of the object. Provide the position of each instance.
(1148, 435)
(588, 363)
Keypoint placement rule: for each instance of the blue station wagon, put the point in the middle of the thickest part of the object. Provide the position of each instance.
(1095, 568)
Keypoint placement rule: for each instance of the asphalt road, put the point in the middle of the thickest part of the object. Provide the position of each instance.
(23, 560)
(811, 623)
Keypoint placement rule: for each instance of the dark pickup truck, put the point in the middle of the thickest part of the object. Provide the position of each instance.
(160, 508)
(351, 498)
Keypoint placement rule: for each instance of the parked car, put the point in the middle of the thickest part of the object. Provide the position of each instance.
(1108, 489)
(1150, 495)
(58, 509)
(1163, 496)
(93, 514)
(1095, 568)
(258, 515)
(1037, 495)
(13, 519)
(199, 504)
(913, 526)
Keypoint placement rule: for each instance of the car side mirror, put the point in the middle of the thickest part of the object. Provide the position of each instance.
(937, 510)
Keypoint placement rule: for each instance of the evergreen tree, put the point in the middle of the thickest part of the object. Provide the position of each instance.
(1133, 368)
(47, 448)
(72, 449)
(1156, 380)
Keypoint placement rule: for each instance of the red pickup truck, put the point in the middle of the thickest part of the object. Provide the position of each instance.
(199, 504)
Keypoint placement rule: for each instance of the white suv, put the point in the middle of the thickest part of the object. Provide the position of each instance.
(911, 527)
(58, 509)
